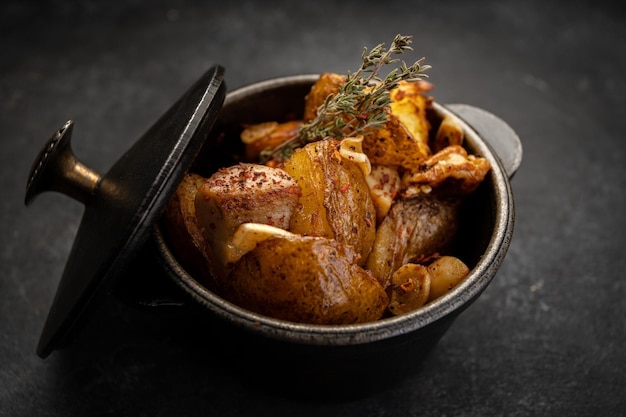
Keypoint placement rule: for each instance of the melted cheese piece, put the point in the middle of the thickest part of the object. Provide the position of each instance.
(248, 235)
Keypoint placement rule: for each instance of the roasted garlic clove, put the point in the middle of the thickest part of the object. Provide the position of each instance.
(351, 149)
(446, 273)
(410, 288)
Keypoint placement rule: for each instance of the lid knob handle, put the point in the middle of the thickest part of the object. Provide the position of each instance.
(57, 169)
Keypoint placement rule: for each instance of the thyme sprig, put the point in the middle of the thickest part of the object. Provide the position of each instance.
(362, 103)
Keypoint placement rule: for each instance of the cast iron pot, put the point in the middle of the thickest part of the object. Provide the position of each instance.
(300, 358)
(363, 354)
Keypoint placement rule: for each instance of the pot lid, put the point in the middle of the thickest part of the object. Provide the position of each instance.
(122, 205)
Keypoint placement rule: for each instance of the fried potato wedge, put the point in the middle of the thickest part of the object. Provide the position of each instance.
(402, 142)
(392, 145)
(306, 279)
(414, 228)
(335, 202)
(410, 106)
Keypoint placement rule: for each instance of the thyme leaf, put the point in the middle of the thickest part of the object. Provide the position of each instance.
(362, 103)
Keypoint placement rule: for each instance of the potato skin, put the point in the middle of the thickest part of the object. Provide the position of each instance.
(335, 202)
(180, 226)
(310, 217)
(414, 228)
(307, 280)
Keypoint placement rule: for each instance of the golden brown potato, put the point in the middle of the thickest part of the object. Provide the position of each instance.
(327, 84)
(181, 228)
(307, 280)
(393, 146)
(403, 140)
(410, 288)
(243, 193)
(446, 273)
(410, 105)
(335, 202)
(414, 228)
(266, 135)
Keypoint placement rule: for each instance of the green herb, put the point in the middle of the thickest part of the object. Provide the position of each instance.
(361, 103)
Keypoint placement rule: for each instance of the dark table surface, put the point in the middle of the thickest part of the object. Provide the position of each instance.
(546, 337)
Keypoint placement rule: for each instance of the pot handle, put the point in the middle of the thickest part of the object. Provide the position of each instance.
(496, 132)
(57, 168)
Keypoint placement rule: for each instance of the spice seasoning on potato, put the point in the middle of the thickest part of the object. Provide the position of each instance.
(243, 193)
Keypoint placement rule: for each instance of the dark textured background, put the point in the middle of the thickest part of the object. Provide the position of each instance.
(545, 339)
